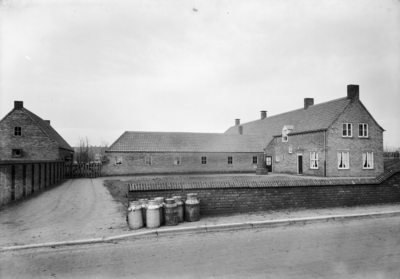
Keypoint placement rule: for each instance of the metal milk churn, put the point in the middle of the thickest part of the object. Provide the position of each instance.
(179, 203)
(135, 220)
(160, 201)
(144, 203)
(192, 208)
(152, 215)
(171, 212)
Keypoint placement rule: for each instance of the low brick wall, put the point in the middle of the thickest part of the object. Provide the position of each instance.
(241, 197)
(20, 179)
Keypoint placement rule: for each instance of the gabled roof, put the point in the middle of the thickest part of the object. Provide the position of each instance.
(314, 118)
(48, 130)
(186, 142)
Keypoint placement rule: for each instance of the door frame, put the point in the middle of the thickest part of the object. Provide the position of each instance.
(302, 164)
(268, 168)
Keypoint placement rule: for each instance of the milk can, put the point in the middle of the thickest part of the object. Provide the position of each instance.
(171, 212)
(192, 208)
(179, 203)
(152, 215)
(160, 201)
(135, 220)
(144, 203)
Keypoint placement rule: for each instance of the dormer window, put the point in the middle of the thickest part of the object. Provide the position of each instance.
(17, 131)
(285, 132)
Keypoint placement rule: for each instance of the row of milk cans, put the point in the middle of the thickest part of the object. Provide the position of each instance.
(160, 211)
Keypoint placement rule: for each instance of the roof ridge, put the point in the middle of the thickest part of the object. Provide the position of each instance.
(291, 111)
(196, 133)
(28, 112)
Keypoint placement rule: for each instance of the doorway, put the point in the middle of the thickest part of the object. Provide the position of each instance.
(268, 162)
(299, 163)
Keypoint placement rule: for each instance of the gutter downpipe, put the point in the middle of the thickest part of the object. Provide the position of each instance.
(324, 153)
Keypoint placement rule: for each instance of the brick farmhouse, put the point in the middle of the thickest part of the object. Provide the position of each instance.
(338, 138)
(32, 154)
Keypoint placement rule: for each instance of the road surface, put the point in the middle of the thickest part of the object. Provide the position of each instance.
(74, 209)
(367, 248)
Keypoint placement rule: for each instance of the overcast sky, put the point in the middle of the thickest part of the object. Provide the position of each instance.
(99, 68)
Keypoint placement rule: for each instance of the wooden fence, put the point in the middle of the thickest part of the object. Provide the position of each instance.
(82, 170)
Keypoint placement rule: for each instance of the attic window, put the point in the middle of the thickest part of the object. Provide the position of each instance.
(255, 160)
(17, 131)
(17, 153)
(285, 132)
(230, 160)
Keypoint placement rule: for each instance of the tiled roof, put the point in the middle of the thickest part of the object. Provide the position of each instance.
(187, 142)
(48, 130)
(314, 118)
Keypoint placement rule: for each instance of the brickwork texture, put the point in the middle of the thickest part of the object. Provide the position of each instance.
(220, 199)
(22, 179)
(134, 163)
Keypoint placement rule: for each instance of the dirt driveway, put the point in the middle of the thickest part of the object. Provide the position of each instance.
(75, 209)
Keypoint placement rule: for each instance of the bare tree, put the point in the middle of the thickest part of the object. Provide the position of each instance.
(83, 154)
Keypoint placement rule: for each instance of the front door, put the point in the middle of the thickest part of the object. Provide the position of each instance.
(300, 164)
(268, 162)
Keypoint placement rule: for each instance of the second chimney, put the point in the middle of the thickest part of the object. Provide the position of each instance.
(47, 121)
(18, 104)
(263, 114)
(237, 122)
(308, 102)
(353, 92)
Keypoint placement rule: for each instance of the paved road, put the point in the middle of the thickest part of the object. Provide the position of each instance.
(358, 249)
(75, 209)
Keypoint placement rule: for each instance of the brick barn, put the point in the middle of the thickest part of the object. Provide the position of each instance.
(25, 136)
(168, 152)
(339, 138)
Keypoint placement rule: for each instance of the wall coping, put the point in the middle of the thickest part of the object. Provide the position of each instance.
(151, 186)
(11, 162)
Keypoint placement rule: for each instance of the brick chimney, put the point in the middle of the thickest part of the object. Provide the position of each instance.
(308, 102)
(18, 104)
(47, 121)
(237, 122)
(240, 130)
(263, 114)
(353, 92)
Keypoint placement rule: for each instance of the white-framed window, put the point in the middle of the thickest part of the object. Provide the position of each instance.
(347, 130)
(177, 160)
(314, 160)
(230, 160)
(343, 160)
(290, 149)
(118, 160)
(148, 160)
(255, 160)
(363, 130)
(368, 160)
(17, 131)
(203, 160)
(277, 159)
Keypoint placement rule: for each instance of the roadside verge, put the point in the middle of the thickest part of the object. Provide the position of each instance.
(210, 228)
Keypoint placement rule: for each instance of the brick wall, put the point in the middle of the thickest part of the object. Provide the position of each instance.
(34, 143)
(233, 197)
(355, 114)
(16, 178)
(134, 163)
(301, 144)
